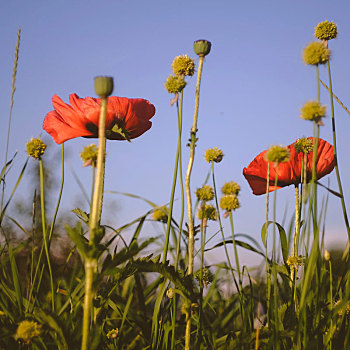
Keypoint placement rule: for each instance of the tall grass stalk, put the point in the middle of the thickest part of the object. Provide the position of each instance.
(193, 141)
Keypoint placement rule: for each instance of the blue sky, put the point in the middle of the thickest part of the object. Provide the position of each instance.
(253, 85)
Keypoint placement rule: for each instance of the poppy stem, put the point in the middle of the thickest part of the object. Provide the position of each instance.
(268, 270)
(95, 216)
(336, 158)
(193, 141)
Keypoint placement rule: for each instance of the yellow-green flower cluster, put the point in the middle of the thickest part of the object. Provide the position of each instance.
(175, 84)
(89, 154)
(278, 154)
(35, 148)
(316, 53)
(229, 202)
(207, 276)
(231, 188)
(183, 66)
(161, 214)
(113, 333)
(207, 212)
(313, 110)
(213, 155)
(326, 30)
(295, 261)
(205, 193)
(27, 330)
(303, 145)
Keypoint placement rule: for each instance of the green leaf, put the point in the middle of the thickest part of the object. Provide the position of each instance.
(76, 234)
(82, 215)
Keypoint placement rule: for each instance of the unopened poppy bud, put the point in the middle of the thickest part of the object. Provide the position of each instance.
(205, 193)
(175, 84)
(326, 30)
(27, 330)
(316, 53)
(35, 148)
(161, 214)
(207, 212)
(170, 293)
(202, 47)
(231, 188)
(326, 255)
(89, 155)
(303, 145)
(278, 154)
(104, 86)
(313, 111)
(229, 202)
(213, 155)
(183, 65)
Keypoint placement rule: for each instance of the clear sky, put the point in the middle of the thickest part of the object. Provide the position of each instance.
(253, 85)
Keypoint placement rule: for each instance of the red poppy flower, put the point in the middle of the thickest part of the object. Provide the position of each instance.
(80, 118)
(289, 173)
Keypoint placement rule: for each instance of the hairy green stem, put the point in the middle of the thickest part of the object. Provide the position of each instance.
(189, 200)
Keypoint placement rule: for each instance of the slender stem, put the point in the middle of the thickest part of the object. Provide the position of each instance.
(43, 222)
(95, 217)
(93, 165)
(330, 301)
(189, 200)
(235, 250)
(336, 157)
(295, 242)
(268, 273)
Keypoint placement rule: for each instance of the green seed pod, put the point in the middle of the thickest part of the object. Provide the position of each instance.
(202, 47)
(104, 86)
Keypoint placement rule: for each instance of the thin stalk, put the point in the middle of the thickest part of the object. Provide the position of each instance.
(235, 250)
(13, 89)
(275, 291)
(189, 200)
(336, 157)
(93, 166)
(43, 221)
(95, 217)
(330, 301)
(268, 273)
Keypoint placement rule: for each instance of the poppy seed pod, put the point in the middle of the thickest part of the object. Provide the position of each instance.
(104, 86)
(202, 47)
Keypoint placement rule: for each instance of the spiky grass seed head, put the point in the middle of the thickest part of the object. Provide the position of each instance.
(231, 188)
(175, 84)
(313, 111)
(213, 155)
(205, 193)
(113, 333)
(27, 330)
(303, 145)
(278, 154)
(161, 214)
(89, 154)
(316, 53)
(207, 212)
(229, 202)
(183, 65)
(326, 30)
(35, 148)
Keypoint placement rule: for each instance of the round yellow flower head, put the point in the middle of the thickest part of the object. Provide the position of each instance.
(295, 261)
(229, 202)
(35, 148)
(326, 255)
(170, 293)
(183, 65)
(205, 193)
(161, 214)
(89, 155)
(207, 212)
(27, 330)
(326, 30)
(213, 155)
(303, 145)
(316, 53)
(313, 110)
(278, 154)
(231, 188)
(113, 333)
(175, 84)
(104, 86)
